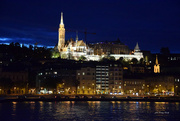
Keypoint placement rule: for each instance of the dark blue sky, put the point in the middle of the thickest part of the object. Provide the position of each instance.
(151, 23)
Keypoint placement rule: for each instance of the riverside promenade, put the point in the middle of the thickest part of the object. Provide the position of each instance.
(18, 98)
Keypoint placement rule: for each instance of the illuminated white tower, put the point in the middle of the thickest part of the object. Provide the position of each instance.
(61, 38)
(136, 49)
(137, 52)
(157, 66)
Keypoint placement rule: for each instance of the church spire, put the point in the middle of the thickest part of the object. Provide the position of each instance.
(61, 37)
(61, 19)
(136, 49)
(157, 66)
(76, 36)
(156, 60)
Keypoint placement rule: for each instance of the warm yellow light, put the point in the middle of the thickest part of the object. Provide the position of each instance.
(125, 68)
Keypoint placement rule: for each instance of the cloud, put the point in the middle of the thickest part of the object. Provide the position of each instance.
(4, 39)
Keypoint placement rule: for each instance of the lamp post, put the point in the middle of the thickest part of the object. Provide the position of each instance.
(93, 87)
(177, 89)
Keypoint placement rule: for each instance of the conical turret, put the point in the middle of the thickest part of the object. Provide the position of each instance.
(156, 60)
(136, 49)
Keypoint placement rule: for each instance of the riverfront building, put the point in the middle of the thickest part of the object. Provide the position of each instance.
(109, 78)
(86, 79)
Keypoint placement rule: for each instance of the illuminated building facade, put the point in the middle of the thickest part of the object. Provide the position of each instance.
(75, 49)
(109, 79)
(57, 77)
(19, 82)
(116, 79)
(157, 66)
(134, 86)
(160, 84)
(86, 78)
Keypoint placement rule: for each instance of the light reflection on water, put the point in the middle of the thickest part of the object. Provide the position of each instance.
(89, 110)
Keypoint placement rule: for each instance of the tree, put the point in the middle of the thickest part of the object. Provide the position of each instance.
(20, 85)
(82, 58)
(112, 58)
(12, 44)
(6, 84)
(76, 83)
(55, 54)
(121, 59)
(141, 61)
(30, 47)
(134, 60)
(17, 44)
(165, 51)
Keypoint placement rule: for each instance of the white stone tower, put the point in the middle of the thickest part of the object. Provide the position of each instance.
(61, 38)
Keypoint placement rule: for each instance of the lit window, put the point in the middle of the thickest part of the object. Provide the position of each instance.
(83, 73)
(119, 87)
(78, 73)
(55, 72)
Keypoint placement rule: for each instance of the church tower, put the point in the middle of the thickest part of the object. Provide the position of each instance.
(61, 38)
(137, 52)
(156, 66)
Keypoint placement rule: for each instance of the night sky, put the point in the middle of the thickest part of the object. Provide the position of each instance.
(151, 23)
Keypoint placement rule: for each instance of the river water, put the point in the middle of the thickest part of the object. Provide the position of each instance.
(89, 111)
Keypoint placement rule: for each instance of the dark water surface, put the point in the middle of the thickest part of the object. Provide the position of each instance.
(89, 111)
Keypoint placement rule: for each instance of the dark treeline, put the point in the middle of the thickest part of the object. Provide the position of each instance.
(16, 52)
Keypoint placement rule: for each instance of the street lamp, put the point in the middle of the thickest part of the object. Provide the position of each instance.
(93, 87)
(177, 89)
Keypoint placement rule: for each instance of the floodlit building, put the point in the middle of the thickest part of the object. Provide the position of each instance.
(75, 49)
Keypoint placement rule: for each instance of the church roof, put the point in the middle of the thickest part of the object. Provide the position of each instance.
(81, 43)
